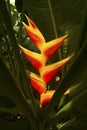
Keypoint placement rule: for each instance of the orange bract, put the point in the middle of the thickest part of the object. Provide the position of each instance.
(48, 72)
(36, 59)
(34, 33)
(50, 48)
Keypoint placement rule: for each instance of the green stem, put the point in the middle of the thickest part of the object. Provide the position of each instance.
(54, 26)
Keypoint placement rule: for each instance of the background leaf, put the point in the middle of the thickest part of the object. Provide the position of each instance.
(9, 88)
(22, 124)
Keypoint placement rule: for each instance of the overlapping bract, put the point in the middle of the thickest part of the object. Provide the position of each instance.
(39, 60)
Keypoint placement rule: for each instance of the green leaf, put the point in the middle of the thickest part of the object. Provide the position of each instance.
(16, 124)
(64, 126)
(10, 89)
(19, 5)
(6, 102)
(54, 15)
(77, 106)
(75, 124)
(77, 74)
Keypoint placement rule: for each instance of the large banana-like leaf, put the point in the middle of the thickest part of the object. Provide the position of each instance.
(77, 75)
(55, 16)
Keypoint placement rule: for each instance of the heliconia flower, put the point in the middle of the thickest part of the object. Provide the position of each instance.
(49, 71)
(36, 59)
(39, 60)
(34, 33)
(46, 97)
(38, 84)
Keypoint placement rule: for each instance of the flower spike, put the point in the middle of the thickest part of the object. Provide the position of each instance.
(39, 60)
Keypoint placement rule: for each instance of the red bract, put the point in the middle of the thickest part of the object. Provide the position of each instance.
(38, 84)
(39, 60)
(51, 47)
(45, 98)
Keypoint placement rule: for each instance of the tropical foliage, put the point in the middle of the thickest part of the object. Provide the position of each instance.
(19, 102)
